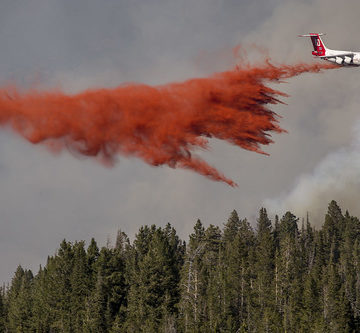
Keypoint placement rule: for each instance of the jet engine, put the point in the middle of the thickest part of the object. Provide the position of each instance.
(347, 60)
(356, 59)
(339, 60)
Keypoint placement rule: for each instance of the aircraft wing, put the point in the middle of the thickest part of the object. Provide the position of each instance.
(338, 55)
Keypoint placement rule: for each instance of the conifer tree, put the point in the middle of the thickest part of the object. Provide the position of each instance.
(20, 301)
(191, 284)
(154, 279)
(59, 271)
(356, 264)
(311, 311)
(80, 281)
(289, 276)
(213, 300)
(229, 269)
(264, 268)
(231, 228)
(333, 228)
(12, 295)
(95, 307)
(2, 310)
(92, 257)
(110, 292)
(41, 306)
(235, 273)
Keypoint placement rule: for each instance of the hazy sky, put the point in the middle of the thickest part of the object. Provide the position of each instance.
(75, 45)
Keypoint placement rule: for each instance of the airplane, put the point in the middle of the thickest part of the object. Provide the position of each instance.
(344, 58)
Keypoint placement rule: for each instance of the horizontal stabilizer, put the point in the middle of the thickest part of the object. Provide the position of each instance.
(312, 35)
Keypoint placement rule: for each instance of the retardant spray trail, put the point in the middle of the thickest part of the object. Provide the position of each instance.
(162, 125)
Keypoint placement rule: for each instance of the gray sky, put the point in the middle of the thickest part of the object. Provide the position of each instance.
(75, 45)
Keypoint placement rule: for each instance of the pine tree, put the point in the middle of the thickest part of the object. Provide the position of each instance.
(346, 267)
(110, 292)
(2, 310)
(289, 273)
(265, 248)
(311, 311)
(238, 239)
(41, 306)
(192, 286)
(356, 264)
(95, 308)
(231, 227)
(336, 307)
(92, 257)
(154, 279)
(117, 285)
(80, 281)
(333, 228)
(59, 271)
(20, 301)
(229, 268)
(13, 293)
(213, 299)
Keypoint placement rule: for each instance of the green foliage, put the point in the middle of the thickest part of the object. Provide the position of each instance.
(278, 278)
(20, 301)
(154, 264)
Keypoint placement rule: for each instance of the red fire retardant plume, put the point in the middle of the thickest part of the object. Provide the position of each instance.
(162, 125)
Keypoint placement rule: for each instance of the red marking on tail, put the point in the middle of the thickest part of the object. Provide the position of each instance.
(319, 47)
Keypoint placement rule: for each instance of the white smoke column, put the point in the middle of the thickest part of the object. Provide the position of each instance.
(336, 177)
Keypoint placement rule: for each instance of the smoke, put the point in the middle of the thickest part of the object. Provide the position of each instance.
(335, 177)
(162, 125)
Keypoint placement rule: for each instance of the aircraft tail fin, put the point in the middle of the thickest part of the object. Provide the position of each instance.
(318, 44)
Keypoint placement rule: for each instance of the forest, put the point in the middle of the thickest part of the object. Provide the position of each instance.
(276, 276)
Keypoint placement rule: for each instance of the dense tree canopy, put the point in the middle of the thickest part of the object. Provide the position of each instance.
(280, 276)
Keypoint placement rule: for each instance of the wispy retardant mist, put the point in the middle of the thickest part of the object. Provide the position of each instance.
(162, 125)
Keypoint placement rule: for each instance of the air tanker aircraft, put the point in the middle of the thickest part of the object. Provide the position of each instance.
(344, 58)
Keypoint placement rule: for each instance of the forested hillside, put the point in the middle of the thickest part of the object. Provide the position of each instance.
(280, 276)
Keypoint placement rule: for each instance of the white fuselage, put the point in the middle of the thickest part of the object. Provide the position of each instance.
(349, 58)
